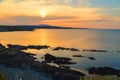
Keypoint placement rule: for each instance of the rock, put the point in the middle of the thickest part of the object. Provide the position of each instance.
(17, 47)
(74, 49)
(63, 48)
(93, 50)
(57, 60)
(49, 57)
(118, 51)
(38, 47)
(104, 71)
(42, 57)
(65, 67)
(60, 48)
(57, 73)
(15, 58)
(78, 56)
(11, 53)
(19, 59)
(60, 61)
(92, 58)
(2, 48)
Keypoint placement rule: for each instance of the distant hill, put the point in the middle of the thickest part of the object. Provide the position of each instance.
(4, 28)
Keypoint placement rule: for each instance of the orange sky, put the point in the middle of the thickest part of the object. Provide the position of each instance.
(73, 13)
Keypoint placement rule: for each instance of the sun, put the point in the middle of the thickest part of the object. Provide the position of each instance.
(43, 13)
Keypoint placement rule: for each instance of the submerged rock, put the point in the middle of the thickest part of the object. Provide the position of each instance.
(92, 58)
(78, 56)
(94, 50)
(60, 48)
(65, 67)
(63, 48)
(104, 71)
(118, 51)
(74, 49)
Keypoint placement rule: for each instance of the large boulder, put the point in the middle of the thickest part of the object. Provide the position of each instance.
(49, 57)
(57, 60)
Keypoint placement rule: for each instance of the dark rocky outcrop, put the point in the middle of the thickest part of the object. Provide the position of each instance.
(20, 47)
(38, 47)
(104, 71)
(78, 56)
(63, 48)
(15, 58)
(49, 57)
(60, 48)
(58, 60)
(57, 73)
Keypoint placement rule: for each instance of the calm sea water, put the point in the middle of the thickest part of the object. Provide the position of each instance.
(80, 39)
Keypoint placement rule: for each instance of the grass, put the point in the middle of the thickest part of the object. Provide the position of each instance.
(102, 78)
(2, 77)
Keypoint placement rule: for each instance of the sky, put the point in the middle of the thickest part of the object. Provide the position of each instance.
(70, 13)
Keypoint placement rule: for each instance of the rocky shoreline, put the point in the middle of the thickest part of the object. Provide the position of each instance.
(103, 71)
(16, 58)
(58, 48)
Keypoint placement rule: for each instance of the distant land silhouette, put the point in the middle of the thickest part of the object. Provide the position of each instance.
(4, 28)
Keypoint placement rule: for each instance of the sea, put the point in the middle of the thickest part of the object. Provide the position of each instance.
(97, 39)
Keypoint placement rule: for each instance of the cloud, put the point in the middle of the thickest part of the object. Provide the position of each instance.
(59, 17)
(20, 20)
(31, 19)
(19, 0)
(72, 3)
(25, 19)
(1, 1)
(103, 19)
